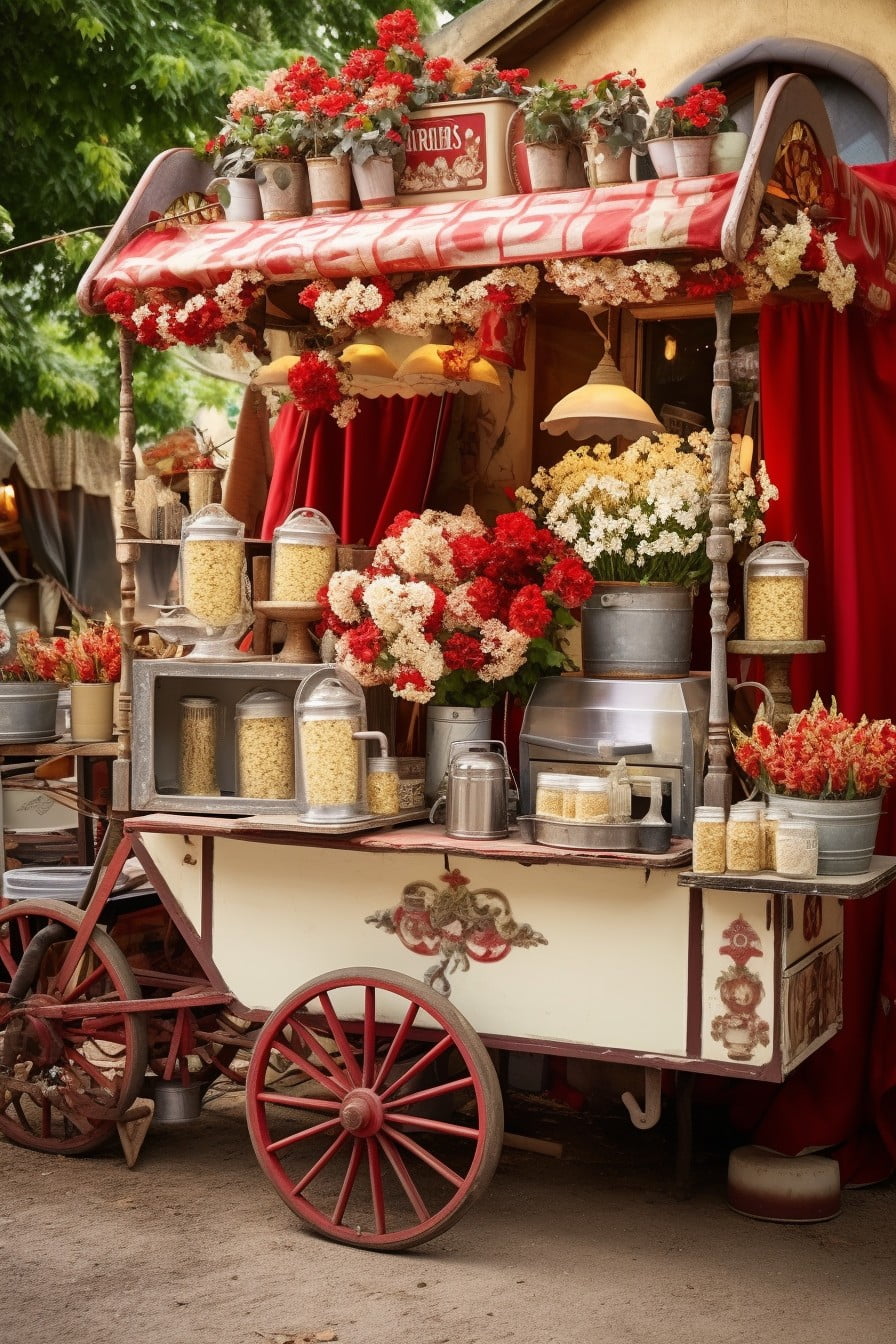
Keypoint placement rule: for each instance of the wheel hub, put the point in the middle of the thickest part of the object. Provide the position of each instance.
(362, 1113)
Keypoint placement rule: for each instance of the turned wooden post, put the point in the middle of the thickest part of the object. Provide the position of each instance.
(720, 548)
(127, 550)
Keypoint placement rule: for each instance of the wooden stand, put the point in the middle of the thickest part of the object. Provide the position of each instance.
(297, 617)
(776, 655)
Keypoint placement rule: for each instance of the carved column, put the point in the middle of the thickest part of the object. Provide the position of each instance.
(126, 550)
(719, 548)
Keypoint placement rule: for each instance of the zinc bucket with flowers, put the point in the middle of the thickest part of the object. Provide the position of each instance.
(639, 522)
(829, 770)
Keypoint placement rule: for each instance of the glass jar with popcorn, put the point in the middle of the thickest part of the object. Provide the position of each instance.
(265, 751)
(775, 593)
(383, 794)
(331, 754)
(303, 557)
(213, 581)
(198, 744)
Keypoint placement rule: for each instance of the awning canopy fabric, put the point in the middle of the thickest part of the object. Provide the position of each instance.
(656, 216)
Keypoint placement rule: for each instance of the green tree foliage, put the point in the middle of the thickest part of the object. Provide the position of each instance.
(93, 90)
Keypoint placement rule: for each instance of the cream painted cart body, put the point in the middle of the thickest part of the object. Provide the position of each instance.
(372, 1101)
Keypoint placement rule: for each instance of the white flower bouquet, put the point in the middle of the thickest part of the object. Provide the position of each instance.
(643, 517)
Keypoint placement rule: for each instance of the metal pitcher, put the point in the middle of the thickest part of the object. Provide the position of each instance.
(476, 802)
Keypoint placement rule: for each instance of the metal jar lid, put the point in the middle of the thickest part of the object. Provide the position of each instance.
(776, 559)
(212, 523)
(382, 765)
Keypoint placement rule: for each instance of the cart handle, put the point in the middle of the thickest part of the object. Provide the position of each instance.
(603, 750)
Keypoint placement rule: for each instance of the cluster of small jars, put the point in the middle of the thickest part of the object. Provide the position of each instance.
(586, 798)
(755, 838)
(312, 750)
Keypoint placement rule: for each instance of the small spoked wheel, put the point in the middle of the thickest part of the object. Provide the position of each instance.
(388, 1125)
(71, 1061)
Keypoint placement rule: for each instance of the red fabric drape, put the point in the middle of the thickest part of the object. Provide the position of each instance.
(828, 396)
(383, 461)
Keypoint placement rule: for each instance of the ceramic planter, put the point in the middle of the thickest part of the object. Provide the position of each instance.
(375, 182)
(662, 156)
(729, 149)
(692, 154)
(282, 187)
(93, 706)
(330, 184)
(605, 169)
(547, 167)
(239, 197)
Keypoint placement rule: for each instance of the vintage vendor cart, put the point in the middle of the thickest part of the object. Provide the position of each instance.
(373, 1104)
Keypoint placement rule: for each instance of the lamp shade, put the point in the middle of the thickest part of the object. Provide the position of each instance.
(276, 373)
(371, 369)
(424, 372)
(602, 406)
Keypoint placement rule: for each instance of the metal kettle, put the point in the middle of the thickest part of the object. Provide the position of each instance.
(476, 803)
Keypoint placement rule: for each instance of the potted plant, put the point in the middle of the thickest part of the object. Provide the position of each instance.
(29, 688)
(614, 115)
(456, 614)
(261, 136)
(659, 139)
(91, 661)
(551, 124)
(374, 136)
(640, 521)
(695, 121)
(320, 103)
(830, 770)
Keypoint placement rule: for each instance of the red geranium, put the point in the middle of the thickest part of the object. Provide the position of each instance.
(314, 382)
(529, 613)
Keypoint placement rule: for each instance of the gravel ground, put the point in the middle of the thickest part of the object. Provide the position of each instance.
(193, 1246)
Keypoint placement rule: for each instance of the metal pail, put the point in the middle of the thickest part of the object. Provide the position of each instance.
(637, 630)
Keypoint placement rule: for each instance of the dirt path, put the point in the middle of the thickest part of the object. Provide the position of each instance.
(193, 1247)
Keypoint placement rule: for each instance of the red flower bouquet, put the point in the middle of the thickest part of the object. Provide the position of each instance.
(457, 612)
(92, 652)
(821, 754)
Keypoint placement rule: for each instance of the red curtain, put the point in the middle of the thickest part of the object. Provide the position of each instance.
(384, 461)
(828, 397)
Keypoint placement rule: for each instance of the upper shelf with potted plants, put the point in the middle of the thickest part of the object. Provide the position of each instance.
(306, 122)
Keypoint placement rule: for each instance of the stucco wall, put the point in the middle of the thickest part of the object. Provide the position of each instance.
(668, 42)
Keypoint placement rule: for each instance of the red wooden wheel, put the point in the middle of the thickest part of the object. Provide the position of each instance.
(65, 1081)
(348, 1138)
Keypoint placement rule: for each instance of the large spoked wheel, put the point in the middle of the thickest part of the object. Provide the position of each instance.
(389, 1124)
(65, 1078)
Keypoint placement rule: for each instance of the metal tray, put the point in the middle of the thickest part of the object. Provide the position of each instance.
(581, 834)
(365, 822)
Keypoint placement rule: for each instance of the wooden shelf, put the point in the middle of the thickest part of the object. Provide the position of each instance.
(63, 746)
(881, 873)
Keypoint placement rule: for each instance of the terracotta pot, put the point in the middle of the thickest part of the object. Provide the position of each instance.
(330, 183)
(662, 156)
(92, 711)
(283, 188)
(375, 182)
(604, 168)
(692, 154)
(729, 149)
(547, 167)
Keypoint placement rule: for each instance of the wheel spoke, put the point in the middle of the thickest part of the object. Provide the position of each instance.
(305, 1065)
(337, 1031)
(302, 1134)
(78, 1061)
(429, 1093)
(432, 1162)
(369, 1057)
(80, 989)
(348, 1182)
(398, 1041)
(298, 1103)
(7, 958)
(376, 1185)
(321, 1162)
(45, 1119)
(433, 1126)
(418, 1066)
(17, 1107)
(313, 1043)
(414, 1197)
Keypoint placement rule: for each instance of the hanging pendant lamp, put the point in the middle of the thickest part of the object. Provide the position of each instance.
(604, 406)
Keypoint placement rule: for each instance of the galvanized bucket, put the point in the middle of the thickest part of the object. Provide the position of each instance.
(28, 711)
(847, 830)
(637, 630)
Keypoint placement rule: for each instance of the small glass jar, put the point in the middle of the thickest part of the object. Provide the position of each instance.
(303, 557)
(709, 840)
(198, 773)
(331, 757)
(743, 839)
(213, 567)
(591, 799)
(796, 848)
(774, 813)
(383, 794)
(553, 793)
(776, 591)
(265, 751)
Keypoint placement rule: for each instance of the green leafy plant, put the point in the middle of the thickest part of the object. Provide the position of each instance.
(550, 113)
